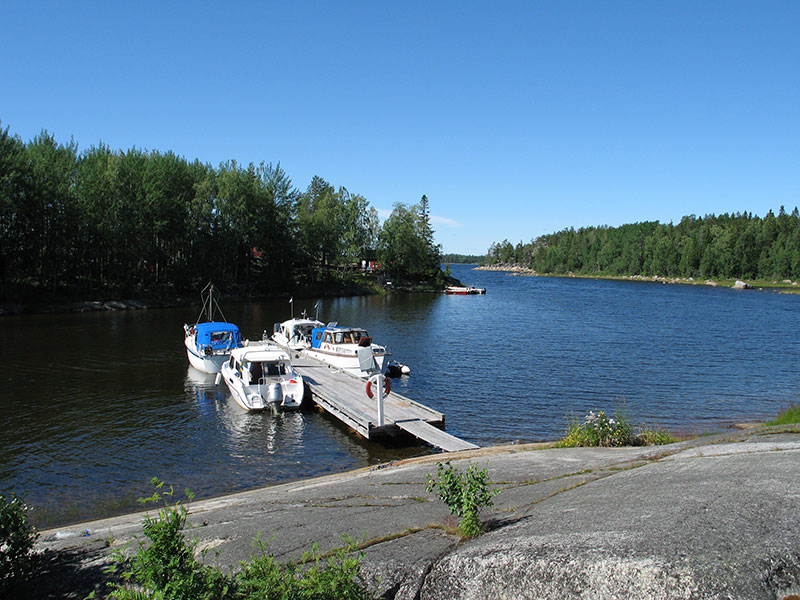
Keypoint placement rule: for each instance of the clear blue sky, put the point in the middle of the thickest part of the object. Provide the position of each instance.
(515, 118)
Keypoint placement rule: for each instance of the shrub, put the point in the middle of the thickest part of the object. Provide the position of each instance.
(597, 429)
(166, 568)
(17, 537)
(463, 493)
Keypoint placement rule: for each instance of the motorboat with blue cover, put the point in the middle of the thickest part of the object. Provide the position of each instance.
(209, 343)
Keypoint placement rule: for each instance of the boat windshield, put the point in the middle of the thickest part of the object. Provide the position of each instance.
(350, 336)
(274, 369)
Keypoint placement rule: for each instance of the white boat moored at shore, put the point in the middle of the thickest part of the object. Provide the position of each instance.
(339, 347)
(295, 334)
(261, 376)
(209, 342)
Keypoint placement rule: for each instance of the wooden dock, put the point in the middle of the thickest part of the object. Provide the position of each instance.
(344, 397)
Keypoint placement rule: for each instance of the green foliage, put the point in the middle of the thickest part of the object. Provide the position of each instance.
(598, 429)
(165, 568)
(406, 246)
(469, 259)
(787, 417)
(464, 494)
(727, 246)
(338, 578)
(17, 537)
(119, 222)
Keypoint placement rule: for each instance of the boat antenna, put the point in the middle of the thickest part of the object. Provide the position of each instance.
(316, 310)
(291, 303)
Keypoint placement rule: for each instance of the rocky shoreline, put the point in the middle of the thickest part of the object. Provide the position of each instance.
(787, 285)
(55, 305)
(713, 517)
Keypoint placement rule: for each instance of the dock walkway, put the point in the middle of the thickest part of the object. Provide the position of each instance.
(344, 396)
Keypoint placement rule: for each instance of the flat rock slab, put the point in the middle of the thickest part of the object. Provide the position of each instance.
(714, 517)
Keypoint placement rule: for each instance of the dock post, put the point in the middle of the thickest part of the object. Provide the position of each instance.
(379, 382)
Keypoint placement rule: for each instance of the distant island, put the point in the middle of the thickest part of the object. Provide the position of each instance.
(725, 247)
(464, 259)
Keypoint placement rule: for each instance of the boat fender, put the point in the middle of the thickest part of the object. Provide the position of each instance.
(387, 387)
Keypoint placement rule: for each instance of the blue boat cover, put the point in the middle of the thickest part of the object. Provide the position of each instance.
(218, 335)
(316, 336)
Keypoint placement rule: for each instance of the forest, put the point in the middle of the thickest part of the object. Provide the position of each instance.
(117, 222)
(727, 246)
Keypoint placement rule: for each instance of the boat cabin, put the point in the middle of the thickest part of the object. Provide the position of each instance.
(299, 329)
(339, 335)
(261, 367)
(217, 335)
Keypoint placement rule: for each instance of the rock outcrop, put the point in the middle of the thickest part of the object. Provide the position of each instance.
(714, 517)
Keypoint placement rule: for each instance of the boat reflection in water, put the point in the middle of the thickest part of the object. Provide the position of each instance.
(248, 432)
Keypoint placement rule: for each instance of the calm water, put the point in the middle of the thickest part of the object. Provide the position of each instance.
(93, 405)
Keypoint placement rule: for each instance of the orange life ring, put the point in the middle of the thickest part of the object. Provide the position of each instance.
(387, 387)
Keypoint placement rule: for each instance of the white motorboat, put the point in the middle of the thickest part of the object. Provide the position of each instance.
(339, 347)
(295, 334)
(261, 376)
(209, 343)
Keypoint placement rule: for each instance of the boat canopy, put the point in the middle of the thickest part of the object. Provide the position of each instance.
(218, 335)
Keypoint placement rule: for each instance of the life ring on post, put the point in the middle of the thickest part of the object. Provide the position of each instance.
(387, 387)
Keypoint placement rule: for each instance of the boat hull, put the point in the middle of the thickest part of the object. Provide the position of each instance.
(348, 363)
(202, 362)
(464, 291)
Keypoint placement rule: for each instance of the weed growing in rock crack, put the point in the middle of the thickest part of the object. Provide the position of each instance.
(463, 493)
(166, 567)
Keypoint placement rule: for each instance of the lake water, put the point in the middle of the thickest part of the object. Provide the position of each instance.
(93, 405)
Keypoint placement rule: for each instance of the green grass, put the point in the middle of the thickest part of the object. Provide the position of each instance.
(788, 417)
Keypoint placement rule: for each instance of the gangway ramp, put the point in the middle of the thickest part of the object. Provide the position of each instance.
(344, 397)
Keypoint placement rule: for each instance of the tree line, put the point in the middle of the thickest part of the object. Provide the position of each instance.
(117, 221)
(727, 246)
(469, 259)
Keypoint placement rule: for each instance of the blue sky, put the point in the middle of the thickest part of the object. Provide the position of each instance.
(515, 118)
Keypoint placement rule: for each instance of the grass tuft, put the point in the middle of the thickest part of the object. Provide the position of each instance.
(788, 417)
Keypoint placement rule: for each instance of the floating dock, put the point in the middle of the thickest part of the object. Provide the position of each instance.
(344, 397)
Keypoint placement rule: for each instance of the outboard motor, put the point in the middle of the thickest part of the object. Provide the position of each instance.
(274, 393)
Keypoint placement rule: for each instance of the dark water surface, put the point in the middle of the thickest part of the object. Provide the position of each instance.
(93, 405)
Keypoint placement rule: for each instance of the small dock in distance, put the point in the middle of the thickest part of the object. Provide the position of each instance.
(344, 397)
